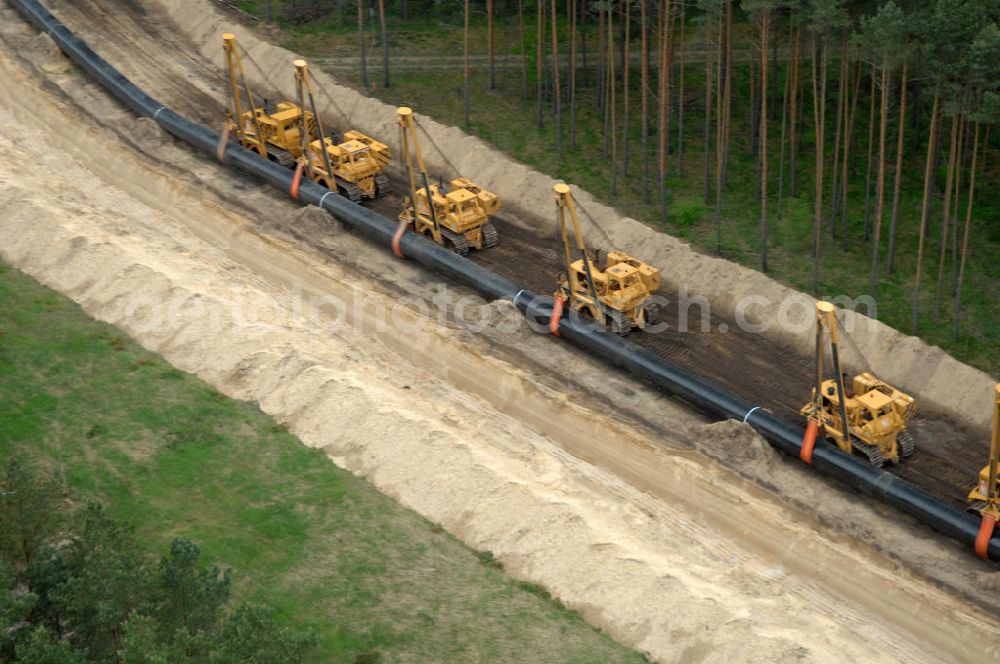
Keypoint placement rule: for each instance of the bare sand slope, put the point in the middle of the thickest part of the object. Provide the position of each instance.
(666, 550)
(937, 379)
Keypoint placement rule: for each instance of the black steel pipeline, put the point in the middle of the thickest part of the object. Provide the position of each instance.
(612, 349)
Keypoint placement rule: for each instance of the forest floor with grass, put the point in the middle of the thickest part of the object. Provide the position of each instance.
(507, 119)
(174, 458)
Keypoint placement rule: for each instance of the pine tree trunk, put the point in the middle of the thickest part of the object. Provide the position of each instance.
(773, 64)
(839, 124)
(489, 43)
(754, 108)
(784, 129)
(871, 149)
(611, 104)
(946, 215)
(385, 44)
(764, 29)
(555, 84)
(963, 134)
(935, 184)
(646, 196)
(986, 150)
(918, 110)
(626, 67)
(524, 50)
(663, 130)
(671, 16)
(897, 185)
(679, 160)
(880, 180)
(539, 64)
(845, 229)
(963, 145)
(572, 75)
(957, 323)
(793, 119)
(720, 123)
(709, 50)
(727, 95)
(819, 118)
(361, 44)
(465, 66)
(720, 112)
(924, 211)
(602, 74)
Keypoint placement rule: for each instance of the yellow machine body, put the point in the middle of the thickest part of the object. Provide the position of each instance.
(624, 285)
(877, 415)
(457, 216)
(276, 136)
(358, 160)
(351, 167)
(617, 294)
(985, 496)
(281, 131)
(871, 417)
(459, 211)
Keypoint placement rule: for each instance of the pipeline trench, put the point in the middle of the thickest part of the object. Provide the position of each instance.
(860, 616)
(748, 365)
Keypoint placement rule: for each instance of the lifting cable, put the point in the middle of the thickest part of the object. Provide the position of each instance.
(277, 88)
(854, 346)
(593, 222)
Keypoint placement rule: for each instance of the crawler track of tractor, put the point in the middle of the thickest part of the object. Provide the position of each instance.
(349, 190)
(456, 241)
(491, 237)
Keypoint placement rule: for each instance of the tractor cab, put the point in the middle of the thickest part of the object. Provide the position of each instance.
(463, 209)
(458, 210)
(281, 129)
(624, 284)
(353, 158)
(487, 199)
(875, 414)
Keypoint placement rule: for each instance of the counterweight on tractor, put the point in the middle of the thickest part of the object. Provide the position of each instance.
(351, 167)
(617, 294)
(457, 216)
(871, 417)
(276, 135)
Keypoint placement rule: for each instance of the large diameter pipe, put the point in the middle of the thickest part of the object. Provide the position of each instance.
(611, 348)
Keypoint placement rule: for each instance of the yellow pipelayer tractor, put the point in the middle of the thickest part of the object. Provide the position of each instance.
(459, 217)
(875, 412)
(353, 167)
(619, 294)
(985, 496)
(276, 136)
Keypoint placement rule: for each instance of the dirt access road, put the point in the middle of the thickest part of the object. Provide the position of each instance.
(622, 516)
